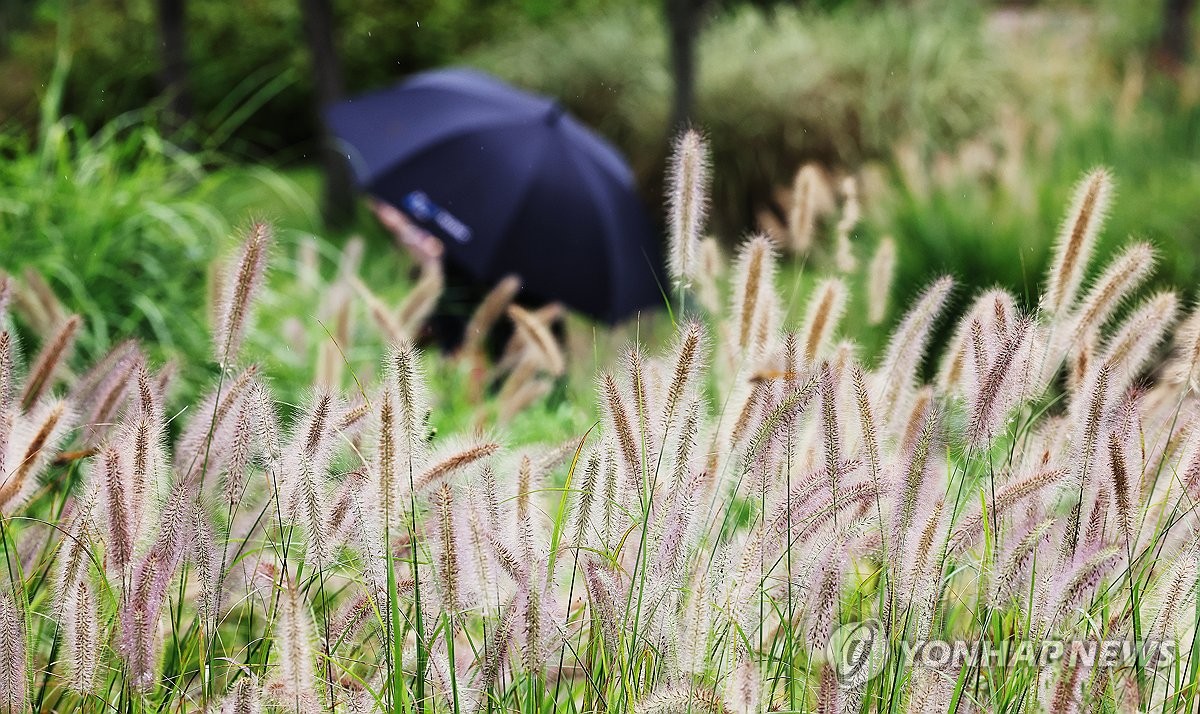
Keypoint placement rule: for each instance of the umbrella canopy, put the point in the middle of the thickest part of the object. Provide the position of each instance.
(511, 184)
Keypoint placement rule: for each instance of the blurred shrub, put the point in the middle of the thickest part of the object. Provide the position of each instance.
(782, 88)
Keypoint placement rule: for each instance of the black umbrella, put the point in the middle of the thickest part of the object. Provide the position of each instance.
(511, 184)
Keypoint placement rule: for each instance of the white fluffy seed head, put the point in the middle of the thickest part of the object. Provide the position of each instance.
(687, 199)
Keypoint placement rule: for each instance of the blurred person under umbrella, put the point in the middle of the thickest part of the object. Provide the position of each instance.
(461, 295)
(498, 182)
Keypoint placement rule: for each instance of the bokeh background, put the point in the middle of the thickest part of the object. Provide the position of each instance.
(137, 135)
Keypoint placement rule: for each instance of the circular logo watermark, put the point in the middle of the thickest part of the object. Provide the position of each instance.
(857, 651)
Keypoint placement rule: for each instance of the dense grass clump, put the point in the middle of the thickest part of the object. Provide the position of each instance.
(123, 225)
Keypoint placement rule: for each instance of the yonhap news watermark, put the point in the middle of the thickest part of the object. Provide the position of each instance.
(860, 650)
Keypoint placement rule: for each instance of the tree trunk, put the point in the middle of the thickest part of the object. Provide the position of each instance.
(172, 22)
(1176, 39)
(338, 200)
(683, 23)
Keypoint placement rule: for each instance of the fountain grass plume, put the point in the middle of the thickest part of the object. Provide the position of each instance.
(1129, 350)
(802, 216)
(539, 337)
(204, 443)
(14, 674)
(239, 291)
(55, 350)
(851, 215)
(104, 390)
(244, 697)
(1005, 500)
(1016, 562)
(830, 428)
(754, 310)
(1174, 598)
(906, 348)
(118, 511)
(245, 428)
(1077, 241)
(82, 638)
(960, 365)
(687, 366)
(880, 275)
(138, 641)
(452, 459)
(304, 481)
(1000, 388)
(687, 202)
(293, 686)
(32, 442)
(683, 698)
(1122, 276)
(614, 406)
(1184, 366)
(826, 306)
(1066, 591)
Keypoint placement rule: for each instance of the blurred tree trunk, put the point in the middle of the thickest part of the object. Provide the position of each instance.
(338, 199)
(172, 21)
(683, 24)
(1175, 43)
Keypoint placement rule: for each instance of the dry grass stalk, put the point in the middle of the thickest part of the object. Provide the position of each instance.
(490, 309)
(548, 354)
(419, 304)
